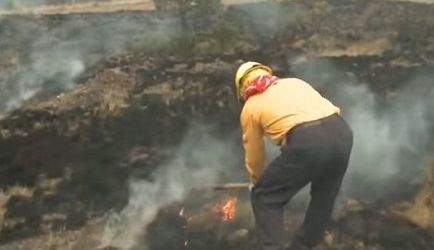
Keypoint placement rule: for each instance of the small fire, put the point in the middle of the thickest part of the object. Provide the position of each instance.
(228, 209)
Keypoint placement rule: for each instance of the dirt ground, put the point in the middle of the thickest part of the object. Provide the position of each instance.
(67, 155)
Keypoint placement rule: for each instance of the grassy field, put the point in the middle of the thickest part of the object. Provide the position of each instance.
(94, 7)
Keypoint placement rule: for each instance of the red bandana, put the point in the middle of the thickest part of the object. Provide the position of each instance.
(259, 85)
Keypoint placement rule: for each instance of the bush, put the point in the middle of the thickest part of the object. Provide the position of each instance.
(167, 5)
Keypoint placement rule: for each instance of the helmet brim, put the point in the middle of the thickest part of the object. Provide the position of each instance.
(240, 82)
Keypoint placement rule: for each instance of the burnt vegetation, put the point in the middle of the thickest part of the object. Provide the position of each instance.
(67, 153)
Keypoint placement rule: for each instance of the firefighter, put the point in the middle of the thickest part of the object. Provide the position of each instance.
(315, 147)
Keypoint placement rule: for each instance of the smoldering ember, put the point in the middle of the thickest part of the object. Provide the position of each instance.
(120, 124)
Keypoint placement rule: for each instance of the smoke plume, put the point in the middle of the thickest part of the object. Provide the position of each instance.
(200, 161)
(391, 134)
(52, 61)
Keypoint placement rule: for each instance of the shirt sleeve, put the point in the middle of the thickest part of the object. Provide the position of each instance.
(253, 145)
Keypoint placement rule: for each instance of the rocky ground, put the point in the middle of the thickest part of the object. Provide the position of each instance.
(95, 105)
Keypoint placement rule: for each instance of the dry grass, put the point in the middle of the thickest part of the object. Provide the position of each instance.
(365, 47)
(6, 194)
(421, 211)
(87, 237)
(93, 7)
(107, 94)
(121, 5)
(86, 7)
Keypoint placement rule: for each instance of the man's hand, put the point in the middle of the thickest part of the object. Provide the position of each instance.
(252, 184)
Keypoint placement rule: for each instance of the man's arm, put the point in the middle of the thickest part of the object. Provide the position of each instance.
(253, 145)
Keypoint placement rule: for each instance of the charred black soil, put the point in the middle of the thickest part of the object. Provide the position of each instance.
(67, 155)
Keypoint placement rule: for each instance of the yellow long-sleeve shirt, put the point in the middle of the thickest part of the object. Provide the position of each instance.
(274, 112)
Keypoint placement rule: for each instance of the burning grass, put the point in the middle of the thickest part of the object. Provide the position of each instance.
(229, 209)
(224, 223)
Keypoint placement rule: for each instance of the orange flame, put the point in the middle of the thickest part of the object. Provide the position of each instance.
(228, 209)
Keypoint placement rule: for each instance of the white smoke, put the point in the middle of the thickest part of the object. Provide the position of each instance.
(44, 68)
(390, 135)
(19, 4)
(266, 19)
(384, 128)
(200, 161)
(53, 54)
(381, 139)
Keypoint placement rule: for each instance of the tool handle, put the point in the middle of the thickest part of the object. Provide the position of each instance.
(227, 186)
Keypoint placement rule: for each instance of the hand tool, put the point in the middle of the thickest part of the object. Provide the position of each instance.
(231, 186)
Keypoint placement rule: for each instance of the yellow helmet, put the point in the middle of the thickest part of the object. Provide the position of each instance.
(245, 69)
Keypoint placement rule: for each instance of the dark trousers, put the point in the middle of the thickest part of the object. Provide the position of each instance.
(317, 153)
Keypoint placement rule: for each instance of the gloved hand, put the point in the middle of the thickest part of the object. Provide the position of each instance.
(252, 184)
